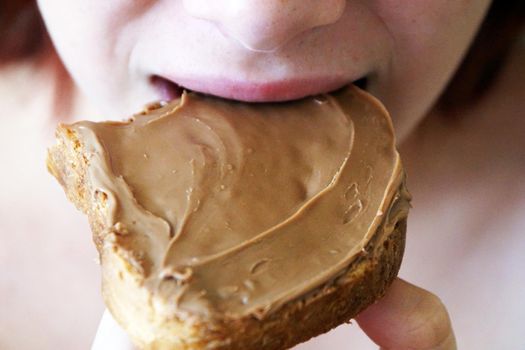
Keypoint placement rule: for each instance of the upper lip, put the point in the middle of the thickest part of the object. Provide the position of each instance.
(269, 91)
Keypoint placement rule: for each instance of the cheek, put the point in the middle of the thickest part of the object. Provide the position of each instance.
(91, 44)
(430, 38)
(417, 25)
(429, 35)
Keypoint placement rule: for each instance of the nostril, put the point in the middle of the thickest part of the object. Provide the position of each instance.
(166, 89)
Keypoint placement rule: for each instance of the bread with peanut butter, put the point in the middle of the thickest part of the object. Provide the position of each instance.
(227, 225)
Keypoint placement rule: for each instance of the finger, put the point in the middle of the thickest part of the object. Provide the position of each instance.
(408, 317)
(110, 335)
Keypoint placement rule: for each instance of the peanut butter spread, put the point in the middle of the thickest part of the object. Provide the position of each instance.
(226, 208)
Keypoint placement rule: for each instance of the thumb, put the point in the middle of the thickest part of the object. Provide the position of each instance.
(408, 317)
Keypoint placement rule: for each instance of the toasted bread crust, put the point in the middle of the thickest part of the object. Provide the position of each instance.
(329, 305)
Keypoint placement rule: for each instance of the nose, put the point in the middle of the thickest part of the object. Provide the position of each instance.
(265, 25)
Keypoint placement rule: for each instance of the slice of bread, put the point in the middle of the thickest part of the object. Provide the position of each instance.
(153, 318)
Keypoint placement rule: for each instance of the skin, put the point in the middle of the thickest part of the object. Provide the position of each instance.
(263, 50)
(274, 50)
(277, 50)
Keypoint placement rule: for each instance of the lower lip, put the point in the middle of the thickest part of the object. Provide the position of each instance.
(278, 91)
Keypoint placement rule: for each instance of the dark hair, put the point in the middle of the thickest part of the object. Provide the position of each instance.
(22, 35)
(500, 30)
(22, 31)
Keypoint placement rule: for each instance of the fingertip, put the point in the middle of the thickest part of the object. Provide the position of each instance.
(408, 317)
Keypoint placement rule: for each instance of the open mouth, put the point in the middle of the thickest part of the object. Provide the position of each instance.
(361, 83)
(291, 90)
(166, 89)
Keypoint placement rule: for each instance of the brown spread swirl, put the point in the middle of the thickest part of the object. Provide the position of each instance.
(231, 209)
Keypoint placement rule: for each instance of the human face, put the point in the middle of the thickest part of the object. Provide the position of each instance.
(124, 53)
